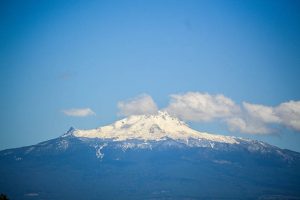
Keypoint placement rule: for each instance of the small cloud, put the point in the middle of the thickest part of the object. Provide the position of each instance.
(79, 112)
(201, 107)
(247, 126)
(289, 114)
(253, 119)
(142, 104)
(265, 114)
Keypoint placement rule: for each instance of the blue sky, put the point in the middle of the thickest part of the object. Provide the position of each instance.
(61, 55)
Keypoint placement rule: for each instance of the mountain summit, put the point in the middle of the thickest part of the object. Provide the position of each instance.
(150, 127)
(149, 157)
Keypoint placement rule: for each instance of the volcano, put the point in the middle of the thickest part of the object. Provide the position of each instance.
(149, 157)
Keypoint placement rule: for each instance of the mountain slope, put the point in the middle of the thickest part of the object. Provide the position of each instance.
(149, 157)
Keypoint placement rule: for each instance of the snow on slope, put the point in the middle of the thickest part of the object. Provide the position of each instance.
(150, 127)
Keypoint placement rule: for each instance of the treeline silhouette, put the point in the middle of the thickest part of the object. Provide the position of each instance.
(3, 197)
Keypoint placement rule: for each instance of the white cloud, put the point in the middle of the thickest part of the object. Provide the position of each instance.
(289, 114)
(201, 107)
(259, 119)
(261, 113)
(247, 126)
(79, 112)
(142, 104)
(253, 119)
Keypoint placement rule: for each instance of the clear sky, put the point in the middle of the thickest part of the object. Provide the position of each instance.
(62, 55)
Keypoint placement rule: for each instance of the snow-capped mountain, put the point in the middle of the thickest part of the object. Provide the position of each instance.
(150, 127)
(146, 131)
(149, 157)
